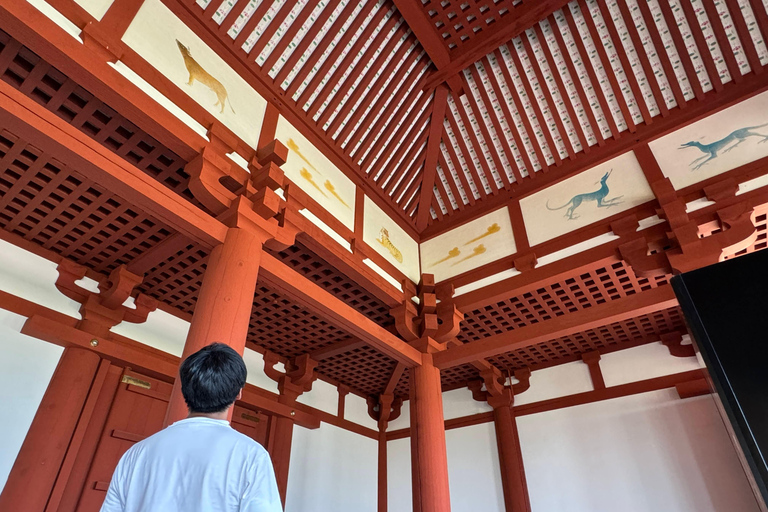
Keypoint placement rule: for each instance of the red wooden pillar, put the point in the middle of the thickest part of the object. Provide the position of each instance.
(432, 463)
(37, 466)
(280, 449)
(225, 302)
(510, 457)
(385, 409)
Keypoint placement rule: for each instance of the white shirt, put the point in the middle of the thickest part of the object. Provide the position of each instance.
(195, 465)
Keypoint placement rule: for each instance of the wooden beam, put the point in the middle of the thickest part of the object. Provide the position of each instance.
(639, 304)
(288, 281)
(522, 19)
(439, 105)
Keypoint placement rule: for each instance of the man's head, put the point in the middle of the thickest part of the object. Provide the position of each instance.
(212, 378)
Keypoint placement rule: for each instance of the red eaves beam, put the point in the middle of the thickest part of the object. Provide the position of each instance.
(643, 303)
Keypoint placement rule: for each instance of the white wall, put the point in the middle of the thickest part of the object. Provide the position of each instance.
(332, 470)
(649, 452)
(399, 497)
(26, 367)
(473, 469)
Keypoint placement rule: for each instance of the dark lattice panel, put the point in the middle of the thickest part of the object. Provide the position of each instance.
(615, 336)
(320, 272)
(557, 299)
(177, 280)
(47, 203)
(364, 369)
(33, 76)
(459, 21)
(282, 326)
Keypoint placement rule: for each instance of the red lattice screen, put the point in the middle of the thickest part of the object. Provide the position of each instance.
(33, 76)
(44, 201)
(557, 299)
(615, 336)
(316, 269)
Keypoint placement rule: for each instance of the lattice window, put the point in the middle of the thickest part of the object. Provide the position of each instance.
(557, 299)
(54, 90)
(44, 201)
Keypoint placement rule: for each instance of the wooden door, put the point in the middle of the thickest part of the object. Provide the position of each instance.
(251, 423)
(137, 412)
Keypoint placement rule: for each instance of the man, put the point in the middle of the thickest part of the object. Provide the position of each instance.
(198, 464)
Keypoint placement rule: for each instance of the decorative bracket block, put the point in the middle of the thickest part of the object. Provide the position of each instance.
(298, 377)
(104, 310)
(384, 409)
(673, 342)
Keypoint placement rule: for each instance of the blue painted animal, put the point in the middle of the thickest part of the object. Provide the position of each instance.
(711, 150)
(598, 196)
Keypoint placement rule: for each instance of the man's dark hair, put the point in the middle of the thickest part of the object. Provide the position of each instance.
(211, 378)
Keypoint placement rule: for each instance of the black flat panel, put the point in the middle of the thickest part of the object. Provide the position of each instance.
(726, 308)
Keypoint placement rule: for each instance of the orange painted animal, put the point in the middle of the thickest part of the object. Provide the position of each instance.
(196, 72)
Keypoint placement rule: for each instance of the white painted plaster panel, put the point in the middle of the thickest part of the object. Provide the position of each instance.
(26, 367)
(634, 454)
(254, 363)
(404, 421)
(356, 410)
(561, 380)
(399, 492)
(473, 469)
(332, 469)
(643, 362)
(162, 331)
(323, 396)
(32, 277)
(459, 402)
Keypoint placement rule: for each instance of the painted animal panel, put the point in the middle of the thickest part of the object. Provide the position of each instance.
(599, 196)
(728, 143)
(197, 73)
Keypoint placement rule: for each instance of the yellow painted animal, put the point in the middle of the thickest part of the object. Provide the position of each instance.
(196, 72)
(386, 242)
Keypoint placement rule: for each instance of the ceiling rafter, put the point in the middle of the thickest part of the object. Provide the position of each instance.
(440, 105)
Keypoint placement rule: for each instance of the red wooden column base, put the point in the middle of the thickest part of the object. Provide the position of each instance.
(225, 302)
(432, 464)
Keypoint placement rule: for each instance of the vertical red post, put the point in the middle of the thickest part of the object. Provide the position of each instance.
(225, 302)
(36, 467)
(415, 483)
(382, 495)
(430, 437)
(281, 452)
(510, 459)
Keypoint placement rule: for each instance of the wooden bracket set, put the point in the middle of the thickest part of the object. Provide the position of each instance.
(298, 377)
(104, 310)
(686, 248)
